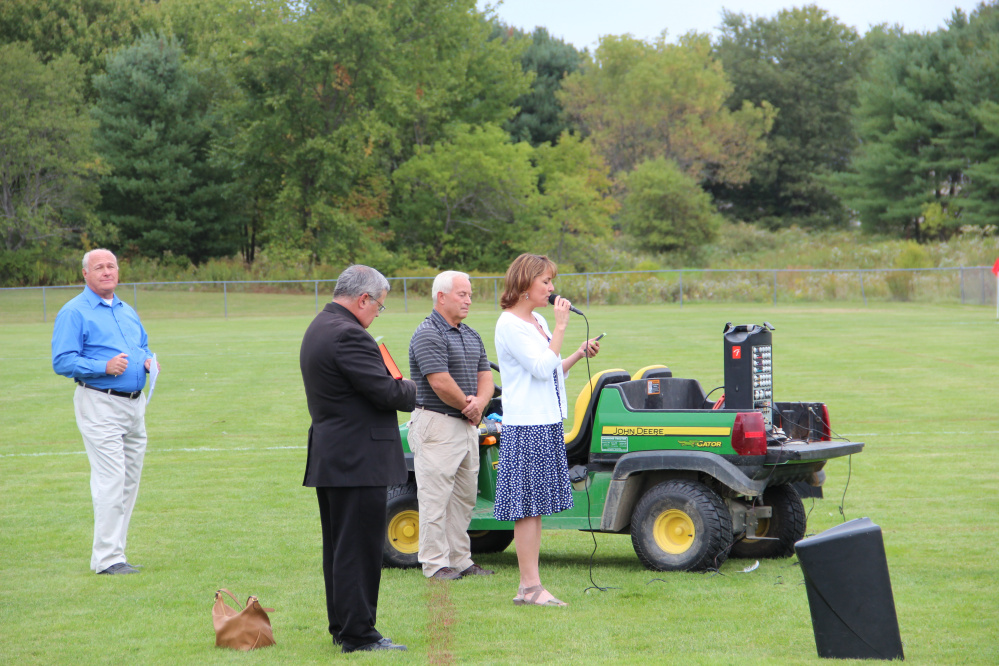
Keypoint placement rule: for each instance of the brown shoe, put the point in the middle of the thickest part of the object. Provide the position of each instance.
(476, 570)
(528, 596)
(446, 573)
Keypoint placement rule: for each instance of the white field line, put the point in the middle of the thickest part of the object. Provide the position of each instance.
(208, 449)
(172, 354)
(937, 432)
(150, 450)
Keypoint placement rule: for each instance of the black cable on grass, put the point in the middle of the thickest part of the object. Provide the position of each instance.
(849, 472)
(809, 514)
(715, 570)
(589, 522)
(586, 484)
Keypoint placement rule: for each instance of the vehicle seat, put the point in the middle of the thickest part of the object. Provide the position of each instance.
(651, 371)
(671, 393)
(495, 405)
(577, 441)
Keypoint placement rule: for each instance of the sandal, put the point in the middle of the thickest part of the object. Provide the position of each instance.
(528, 596)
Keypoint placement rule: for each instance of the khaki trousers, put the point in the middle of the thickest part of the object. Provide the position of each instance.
(114, 434)
(446, 461)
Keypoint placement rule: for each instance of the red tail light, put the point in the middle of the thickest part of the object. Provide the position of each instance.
(749, 435)
(824, 427)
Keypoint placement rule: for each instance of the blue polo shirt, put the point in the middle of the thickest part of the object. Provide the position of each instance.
(88, 333)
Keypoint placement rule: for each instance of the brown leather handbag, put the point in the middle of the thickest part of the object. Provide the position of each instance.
(248, 629)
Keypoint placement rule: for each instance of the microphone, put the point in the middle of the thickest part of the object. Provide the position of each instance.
(552, 297)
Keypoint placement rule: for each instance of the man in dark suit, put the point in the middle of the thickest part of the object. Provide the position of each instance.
(355, 451)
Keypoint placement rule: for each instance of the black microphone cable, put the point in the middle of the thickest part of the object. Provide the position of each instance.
(849, 473)
(586, 477)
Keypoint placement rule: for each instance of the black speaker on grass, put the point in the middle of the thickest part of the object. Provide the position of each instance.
(849, 592)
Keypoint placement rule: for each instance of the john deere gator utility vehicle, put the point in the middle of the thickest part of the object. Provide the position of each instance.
(693, 481)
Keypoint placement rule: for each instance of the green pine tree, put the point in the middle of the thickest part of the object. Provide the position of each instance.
(540, 118)
(155, 126)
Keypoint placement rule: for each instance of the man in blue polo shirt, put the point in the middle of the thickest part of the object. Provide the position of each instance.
(448, 362)
(99, 342)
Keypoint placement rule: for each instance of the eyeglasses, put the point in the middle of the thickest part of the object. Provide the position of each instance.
(381, 308)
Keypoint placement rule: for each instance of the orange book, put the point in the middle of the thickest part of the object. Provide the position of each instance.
(389, 361)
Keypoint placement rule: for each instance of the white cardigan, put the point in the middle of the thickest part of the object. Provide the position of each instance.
(526, 365)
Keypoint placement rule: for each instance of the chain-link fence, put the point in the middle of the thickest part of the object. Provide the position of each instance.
(973, 285)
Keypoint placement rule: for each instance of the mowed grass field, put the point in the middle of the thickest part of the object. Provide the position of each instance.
(222, 505)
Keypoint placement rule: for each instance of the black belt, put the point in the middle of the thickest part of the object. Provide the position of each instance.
(457, 416)
(121, 394)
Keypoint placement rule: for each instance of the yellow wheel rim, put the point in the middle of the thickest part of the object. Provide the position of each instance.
(762, 527)
(674, 531)
(404, 531)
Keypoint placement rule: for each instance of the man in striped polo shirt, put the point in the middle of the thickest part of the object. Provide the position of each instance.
(448, 362)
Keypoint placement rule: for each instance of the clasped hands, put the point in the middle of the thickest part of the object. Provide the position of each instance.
(472, 410)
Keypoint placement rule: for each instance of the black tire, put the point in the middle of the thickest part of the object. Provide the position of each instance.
(681, 526)
(402, 528)
(786, 524)
(489, 541)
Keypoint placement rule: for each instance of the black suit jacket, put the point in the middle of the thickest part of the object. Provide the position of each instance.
(354, 439)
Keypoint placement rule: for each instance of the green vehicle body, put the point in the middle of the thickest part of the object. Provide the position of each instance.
(658, 439)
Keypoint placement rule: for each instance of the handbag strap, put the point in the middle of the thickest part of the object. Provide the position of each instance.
(249, 599)
(231, 596)
(253, 598)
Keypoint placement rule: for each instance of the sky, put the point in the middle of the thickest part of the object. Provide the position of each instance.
(582, 22)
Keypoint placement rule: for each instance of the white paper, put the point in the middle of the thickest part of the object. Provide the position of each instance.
(154, 370)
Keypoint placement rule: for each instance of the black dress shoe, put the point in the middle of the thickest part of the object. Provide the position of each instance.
(383, 644)
(120, 568)
(446, 573)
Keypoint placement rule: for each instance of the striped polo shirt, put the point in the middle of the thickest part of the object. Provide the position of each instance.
(437, 346)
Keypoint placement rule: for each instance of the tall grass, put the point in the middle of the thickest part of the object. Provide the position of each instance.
(263, 298)
(738, 246)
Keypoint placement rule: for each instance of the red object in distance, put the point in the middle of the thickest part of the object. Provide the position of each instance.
(995, 268)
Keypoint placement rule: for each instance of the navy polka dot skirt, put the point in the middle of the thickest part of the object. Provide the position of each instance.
(533, 475)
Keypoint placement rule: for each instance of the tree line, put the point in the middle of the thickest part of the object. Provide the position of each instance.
(425, 133)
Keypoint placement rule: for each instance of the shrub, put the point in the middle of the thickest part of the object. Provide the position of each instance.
(36, 267)
(901, 284)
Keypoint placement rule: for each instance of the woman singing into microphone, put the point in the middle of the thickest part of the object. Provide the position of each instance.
(533, 477)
